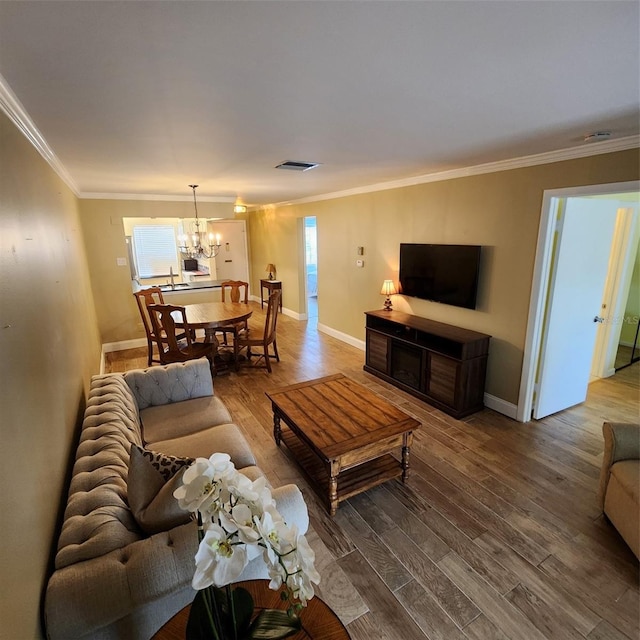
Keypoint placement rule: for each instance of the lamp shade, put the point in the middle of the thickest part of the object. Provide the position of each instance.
(388, 288)
(270, 267)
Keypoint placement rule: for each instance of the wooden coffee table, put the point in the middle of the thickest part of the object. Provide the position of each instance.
(342, 435)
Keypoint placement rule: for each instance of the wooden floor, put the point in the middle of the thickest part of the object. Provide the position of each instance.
(496, 534)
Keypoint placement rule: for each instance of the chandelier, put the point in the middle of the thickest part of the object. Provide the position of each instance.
(197, 248)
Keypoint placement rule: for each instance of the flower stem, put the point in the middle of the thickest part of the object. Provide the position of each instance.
(232, 609)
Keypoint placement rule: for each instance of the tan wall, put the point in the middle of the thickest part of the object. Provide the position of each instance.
(118, 316)
(49, 347)
(500, 211)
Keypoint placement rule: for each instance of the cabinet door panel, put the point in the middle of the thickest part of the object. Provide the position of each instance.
(406, 364)
(377, 348)
(441, 380)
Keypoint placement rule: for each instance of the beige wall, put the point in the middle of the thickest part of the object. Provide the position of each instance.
(500, 211)
(49, 347)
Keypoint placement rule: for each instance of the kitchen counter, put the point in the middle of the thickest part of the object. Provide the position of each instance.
(180, 287)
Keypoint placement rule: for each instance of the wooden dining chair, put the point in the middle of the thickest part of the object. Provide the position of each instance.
(234, 291)
(170, 347)
(244, 341)
(145, 298)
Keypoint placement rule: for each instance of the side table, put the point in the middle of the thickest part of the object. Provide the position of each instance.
(270, 286)
(319, 622)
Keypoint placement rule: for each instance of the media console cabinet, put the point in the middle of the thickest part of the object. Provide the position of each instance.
(436, 362)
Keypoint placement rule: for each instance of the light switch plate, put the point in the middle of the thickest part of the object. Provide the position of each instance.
(121, 262)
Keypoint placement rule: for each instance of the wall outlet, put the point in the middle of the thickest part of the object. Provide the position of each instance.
(121, 262)
(359, 263)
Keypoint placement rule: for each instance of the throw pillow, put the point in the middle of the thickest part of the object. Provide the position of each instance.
(153, 477)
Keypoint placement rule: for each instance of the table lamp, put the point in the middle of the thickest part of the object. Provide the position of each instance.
(388, 289)
(270, 268)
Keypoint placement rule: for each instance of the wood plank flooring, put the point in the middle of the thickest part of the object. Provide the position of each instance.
(495, 536)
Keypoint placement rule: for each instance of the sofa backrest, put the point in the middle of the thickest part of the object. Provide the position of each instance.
(172, 383)
(97, 518)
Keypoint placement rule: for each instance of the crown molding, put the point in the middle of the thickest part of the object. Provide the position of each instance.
(151, 196)
(14, 110)
(588, 149)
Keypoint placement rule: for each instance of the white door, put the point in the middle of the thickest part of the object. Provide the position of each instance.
(584, 238)
(232, 263)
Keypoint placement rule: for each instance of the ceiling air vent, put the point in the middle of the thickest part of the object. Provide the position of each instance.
(291, 165)
(597, 135)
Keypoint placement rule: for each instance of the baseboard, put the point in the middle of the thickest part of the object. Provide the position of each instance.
(285, 311)
(501, 406)
(354, 342)
(108, 347)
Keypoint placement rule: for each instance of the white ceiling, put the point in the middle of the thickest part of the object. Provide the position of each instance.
(148, 97)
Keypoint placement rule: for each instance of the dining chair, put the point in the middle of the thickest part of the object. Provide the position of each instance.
(233, 291)
(170, 345)
(145, 298)
(243, 341)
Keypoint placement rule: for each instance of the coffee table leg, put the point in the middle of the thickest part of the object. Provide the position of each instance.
(277, 429)
(405, 457)
(334, 470)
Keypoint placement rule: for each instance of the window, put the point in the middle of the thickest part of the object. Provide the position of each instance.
(155, 250)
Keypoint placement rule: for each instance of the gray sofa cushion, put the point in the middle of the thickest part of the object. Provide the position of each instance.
(225, 438)
(164, 422)
(171, 383)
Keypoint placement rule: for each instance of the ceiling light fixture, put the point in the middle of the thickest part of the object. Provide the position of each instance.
(197, 248)
(239, 208)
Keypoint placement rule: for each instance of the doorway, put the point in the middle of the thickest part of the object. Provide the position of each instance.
(628, 350)
(311, 267)
(543, 292)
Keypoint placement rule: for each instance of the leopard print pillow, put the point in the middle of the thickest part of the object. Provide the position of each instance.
(168, 466)
(152, 479)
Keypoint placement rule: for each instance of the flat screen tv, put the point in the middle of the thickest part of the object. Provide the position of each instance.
(446, 273)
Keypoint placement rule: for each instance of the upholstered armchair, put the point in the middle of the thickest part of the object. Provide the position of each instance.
(619, 492)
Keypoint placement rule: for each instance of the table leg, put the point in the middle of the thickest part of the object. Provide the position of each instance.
(405, 456)
(210, 336)
(277, 429)
(334, 470)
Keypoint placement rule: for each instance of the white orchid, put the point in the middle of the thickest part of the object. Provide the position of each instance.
(218, 561)
(238, 520)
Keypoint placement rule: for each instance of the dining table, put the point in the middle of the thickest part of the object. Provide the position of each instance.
(211, 316)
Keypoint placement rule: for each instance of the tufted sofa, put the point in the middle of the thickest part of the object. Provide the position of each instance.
(111, 579)
(619, 492)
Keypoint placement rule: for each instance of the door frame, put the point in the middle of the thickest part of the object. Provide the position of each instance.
(540, 287)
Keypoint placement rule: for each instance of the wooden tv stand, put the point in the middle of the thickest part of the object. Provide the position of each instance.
(436, 362)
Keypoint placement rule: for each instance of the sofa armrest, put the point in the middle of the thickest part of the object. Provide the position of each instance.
(621, 442)
(292, 507)
(171, 383)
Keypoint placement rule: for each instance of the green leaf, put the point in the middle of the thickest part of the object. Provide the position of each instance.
(272, 624)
